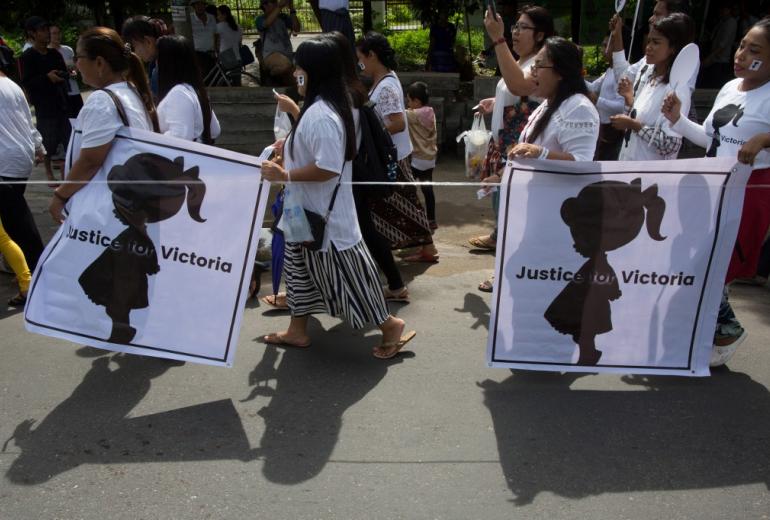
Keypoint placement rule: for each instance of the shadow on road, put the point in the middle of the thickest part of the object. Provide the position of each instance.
(91, 426)
(678, 434)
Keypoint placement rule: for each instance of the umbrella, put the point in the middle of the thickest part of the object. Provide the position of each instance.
(277, 246)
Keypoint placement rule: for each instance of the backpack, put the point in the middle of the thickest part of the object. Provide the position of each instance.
(377, 157)
(8, 62)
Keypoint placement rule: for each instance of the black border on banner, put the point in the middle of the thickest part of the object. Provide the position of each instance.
(240, 285)
(703, 289)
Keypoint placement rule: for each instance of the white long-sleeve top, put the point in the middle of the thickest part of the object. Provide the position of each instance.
(609, 102)
(648, 144)
(736, 117)
(573, 128)
(19, 139)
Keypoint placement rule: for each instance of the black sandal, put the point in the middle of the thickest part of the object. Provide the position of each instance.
(18, 301)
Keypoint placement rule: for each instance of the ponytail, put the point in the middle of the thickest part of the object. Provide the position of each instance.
(196, 190)
(655, 207)
(138, 78)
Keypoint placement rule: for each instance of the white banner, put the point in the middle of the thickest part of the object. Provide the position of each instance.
(156, 252)
(613, 267)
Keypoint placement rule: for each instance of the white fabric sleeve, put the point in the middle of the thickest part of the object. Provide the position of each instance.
(578, 132)
(216, 130)
(612, 106)
(36, 137)
(692, 131)
(327, 144)
(176, 115)
(596, 85)
(388, 100)
(99, 120)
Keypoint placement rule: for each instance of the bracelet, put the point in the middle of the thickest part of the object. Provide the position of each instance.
(60, 197)
(499, 41)
(544, 153)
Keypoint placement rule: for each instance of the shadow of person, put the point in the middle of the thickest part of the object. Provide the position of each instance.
(477, 308)
(313, 389)
(678, 434)
(91, 426)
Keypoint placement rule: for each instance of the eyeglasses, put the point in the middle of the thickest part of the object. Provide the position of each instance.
(535, 66)
(518, 27)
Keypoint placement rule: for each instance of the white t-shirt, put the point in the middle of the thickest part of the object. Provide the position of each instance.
(647, 144)
(18, 136)
(739, 116)
(333, 5)
(99, 119)
(504, 98)
(610, 102)
(573, 128)
(69, 60)
(320, 139)
(203, 34)
(229, 39)
(180, 114)
(388, 97)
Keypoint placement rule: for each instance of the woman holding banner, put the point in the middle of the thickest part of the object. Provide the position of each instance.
(738, 126)
(122, 98)
(513, 102)
(647, 138)
(340, 278)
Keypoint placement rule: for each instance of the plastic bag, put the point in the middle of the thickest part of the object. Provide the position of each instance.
(281, 124)
(293, 222)
(476, 146)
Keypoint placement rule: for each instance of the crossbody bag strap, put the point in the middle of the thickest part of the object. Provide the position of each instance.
(337, 187)
(118, 106)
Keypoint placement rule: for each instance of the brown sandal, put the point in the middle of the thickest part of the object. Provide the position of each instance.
(273, 301)
(406, 338)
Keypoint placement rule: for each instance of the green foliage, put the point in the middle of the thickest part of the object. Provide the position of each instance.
(426, 10)
(593, 60)
(412, 46)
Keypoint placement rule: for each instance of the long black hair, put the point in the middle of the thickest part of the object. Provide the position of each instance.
(567, 61)
(225, 10)
(679, 30)
(355, 86)
(380, 46)
(176, 65)
(320, 59)
(138, 27)
(543, 22)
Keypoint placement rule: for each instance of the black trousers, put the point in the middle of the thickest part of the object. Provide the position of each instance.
(376, 243)
(18, 221)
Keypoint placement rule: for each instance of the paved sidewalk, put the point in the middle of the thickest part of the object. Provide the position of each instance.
(331, 433)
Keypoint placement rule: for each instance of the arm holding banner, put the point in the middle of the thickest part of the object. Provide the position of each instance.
(672, 110)
(753, 146)
(83, 170)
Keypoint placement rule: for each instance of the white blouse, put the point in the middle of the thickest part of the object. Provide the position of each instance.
(736, 117)
(388, 97)
(504, 98)
(320, 139)
(649, 92)
(99, 119)
(573, 128)
(180, 114)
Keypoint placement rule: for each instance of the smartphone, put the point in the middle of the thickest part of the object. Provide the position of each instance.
(492, 7)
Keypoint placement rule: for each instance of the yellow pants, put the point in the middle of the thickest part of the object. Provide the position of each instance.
(15, 257)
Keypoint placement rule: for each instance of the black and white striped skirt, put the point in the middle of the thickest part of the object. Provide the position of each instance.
(339, 283)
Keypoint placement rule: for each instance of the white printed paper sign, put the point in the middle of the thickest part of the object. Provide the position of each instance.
(156, 253)
(613, 267)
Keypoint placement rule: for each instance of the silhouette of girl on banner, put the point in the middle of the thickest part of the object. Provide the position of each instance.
(117, 279)
(603, 217)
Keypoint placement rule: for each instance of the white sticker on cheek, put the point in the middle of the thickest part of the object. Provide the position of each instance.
(755, 65)
(301, 81)
(361, 66)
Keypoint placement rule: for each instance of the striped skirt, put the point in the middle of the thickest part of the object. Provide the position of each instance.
(400, 218)
(339, 283)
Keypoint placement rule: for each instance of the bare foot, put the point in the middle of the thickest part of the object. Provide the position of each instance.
(286, 339)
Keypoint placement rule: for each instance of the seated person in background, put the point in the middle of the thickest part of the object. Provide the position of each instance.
(441, 57)
(277, 55)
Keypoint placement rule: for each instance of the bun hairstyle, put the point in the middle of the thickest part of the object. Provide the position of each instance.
(542, 20)
(679, 30)
(380, 46)
(419, 91)
(105, 43)
(567, 61)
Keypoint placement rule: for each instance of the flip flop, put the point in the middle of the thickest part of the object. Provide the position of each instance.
(280, 341)
(422, 257)
(406, 338)
(271, 300)
(482, 242)
(486, 285)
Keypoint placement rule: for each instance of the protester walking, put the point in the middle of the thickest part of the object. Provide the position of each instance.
(15, 257)
(230, 38)
(74, 99)
(21, 146)
(122, 98)
(648, 136)
(44, 77)
(204, 33)
(142, 34)
(738, 126)
(184, 110)
(421, 120)
(400, 218)
(336, 276)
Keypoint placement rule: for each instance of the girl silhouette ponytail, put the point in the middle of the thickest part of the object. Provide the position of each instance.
(655, 207)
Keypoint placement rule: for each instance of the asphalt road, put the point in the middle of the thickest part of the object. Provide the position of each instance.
(331, 433)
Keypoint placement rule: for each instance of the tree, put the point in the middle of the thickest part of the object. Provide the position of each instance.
(426, 10)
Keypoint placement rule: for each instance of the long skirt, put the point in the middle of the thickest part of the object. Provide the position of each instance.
(339, 283)
(400, 218)
(755, 219)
